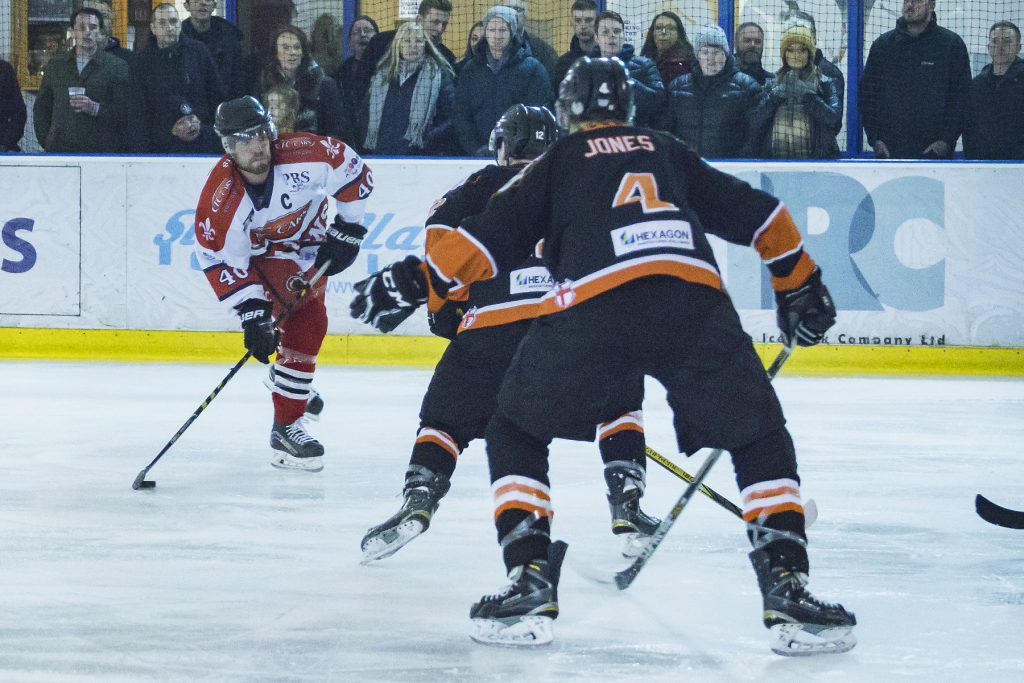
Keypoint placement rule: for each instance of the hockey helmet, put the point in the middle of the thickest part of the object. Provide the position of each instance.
(595, 88)
(525, 131)
(243, 118)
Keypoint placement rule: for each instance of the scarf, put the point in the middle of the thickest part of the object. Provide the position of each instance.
(421, 110)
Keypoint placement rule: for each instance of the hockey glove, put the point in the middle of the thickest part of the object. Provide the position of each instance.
(388, 297)
(261, 336)
(805, 313)
(340, 246)
(445, 323)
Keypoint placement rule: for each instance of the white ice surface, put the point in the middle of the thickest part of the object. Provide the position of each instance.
(231, 570)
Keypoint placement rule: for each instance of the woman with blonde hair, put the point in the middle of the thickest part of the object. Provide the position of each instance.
(408, 107)
(800, 117)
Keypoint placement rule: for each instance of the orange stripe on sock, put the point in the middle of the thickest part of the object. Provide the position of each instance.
(522, 488)
(632, 426)
(526, 507)
(752, 515)
(769, 493)
(435, 440)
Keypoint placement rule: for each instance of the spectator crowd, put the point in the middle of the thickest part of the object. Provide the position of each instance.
(403, 92)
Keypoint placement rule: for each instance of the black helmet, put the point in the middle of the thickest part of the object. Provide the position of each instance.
(526, 131)
(595, 88)
(242, 118)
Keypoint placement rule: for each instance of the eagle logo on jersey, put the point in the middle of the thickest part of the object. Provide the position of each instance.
(279, 229)
(565, 294)
(332, 146)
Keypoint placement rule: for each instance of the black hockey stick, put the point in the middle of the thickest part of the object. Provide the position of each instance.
(810, 507)
(689, 479)
(140, 481)
(997, 514)
(626, 577)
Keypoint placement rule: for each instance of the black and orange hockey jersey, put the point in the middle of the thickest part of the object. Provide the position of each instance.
(614, 203)
(510, 298)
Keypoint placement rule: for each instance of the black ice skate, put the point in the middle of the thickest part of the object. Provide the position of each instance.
(423, 492)
(800, 623)
(521, 615)
(295, 449)
(625, 487)
(314, 403)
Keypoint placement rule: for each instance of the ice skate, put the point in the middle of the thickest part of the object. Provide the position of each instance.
(295, 449)
(633, 525)
(314, 403)
(521, 615)
(423, 492)
(800, 623)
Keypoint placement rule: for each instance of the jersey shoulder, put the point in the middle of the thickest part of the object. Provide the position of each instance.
(470, 196)
(297, 148)
(221, 196)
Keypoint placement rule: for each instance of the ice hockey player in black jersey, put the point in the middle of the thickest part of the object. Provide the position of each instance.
(486, 322)
(624, 213)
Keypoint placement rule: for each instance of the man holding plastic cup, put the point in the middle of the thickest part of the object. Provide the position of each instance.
(82, 101)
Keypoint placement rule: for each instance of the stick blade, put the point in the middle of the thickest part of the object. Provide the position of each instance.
(141, 483)
(624, 578)
(998, 515)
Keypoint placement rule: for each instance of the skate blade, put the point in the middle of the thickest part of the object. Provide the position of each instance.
(529, 631)
(793, 640)
(389, 542)
(634, 544)
(283, 461)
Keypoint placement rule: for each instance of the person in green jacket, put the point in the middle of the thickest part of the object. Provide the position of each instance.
(82, 103)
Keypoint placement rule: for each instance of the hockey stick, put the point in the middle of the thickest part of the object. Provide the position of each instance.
(810, 507)
(140, 481)
(997, 514)
(689, 479)
(624, 578)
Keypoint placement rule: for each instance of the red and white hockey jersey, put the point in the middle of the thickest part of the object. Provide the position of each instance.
(285, 219)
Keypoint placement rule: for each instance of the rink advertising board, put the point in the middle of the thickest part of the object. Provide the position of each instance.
(40, 241)
(915, 254)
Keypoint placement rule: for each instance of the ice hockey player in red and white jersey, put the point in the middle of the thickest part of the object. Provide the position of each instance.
(486, 322)
(264, 224)
(624, 213)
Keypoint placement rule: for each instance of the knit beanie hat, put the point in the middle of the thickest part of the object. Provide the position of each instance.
(710, 35)
(801, 35)
(506, 14)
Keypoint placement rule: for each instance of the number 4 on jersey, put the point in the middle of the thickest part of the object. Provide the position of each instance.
(642, 188)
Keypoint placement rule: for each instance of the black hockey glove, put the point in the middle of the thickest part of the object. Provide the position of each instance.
(445, 323)
(261, 336)
(340, 246)
(388, 297)
(805, 313)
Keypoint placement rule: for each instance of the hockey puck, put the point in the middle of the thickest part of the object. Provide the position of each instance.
(147, 485)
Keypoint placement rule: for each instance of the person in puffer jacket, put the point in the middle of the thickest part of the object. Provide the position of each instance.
(710, 108)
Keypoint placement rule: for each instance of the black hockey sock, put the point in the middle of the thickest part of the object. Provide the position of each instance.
(436, 450)
(626, 445)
